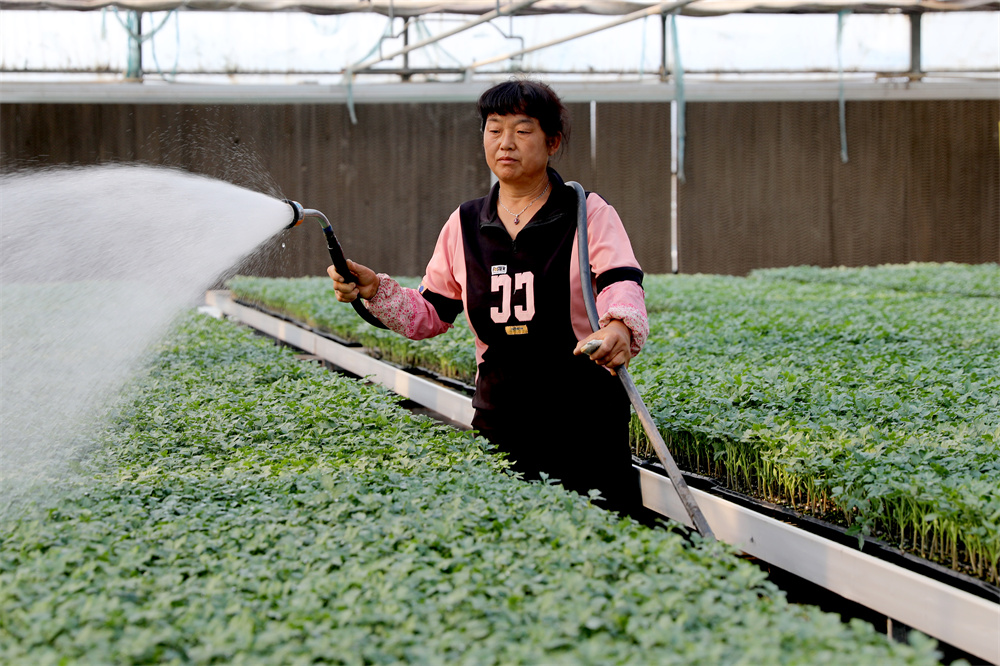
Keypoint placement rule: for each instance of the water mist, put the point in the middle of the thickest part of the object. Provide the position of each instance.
(96, 262)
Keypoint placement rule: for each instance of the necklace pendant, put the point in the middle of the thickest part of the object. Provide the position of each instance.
(517, 220)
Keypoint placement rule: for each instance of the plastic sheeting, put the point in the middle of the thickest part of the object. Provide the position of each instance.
(405, 8)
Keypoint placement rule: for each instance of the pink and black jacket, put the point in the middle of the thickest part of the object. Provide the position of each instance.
(523, 298)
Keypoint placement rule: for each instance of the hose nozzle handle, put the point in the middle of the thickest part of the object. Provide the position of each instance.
(336, 253)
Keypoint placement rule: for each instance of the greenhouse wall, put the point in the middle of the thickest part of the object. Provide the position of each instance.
(767, 185)
(764, 184)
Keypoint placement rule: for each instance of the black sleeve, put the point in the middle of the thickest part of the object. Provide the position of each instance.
(447, 308)
(613, 275)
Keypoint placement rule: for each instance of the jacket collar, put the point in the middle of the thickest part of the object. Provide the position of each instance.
(552, 210)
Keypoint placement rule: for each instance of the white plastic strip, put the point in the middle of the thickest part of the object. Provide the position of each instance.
(953, 616)
(433, 396)
(958, 618)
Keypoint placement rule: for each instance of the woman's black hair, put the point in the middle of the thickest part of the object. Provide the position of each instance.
(532, 98)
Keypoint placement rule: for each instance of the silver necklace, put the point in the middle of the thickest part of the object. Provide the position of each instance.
(517, 216)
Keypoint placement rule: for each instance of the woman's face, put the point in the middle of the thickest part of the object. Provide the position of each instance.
(517, 149)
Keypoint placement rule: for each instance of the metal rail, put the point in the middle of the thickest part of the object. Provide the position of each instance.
(13, 92)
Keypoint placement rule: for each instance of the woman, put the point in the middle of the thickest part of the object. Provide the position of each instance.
(510, 261)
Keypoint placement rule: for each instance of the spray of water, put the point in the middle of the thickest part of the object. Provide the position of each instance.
(96, 262)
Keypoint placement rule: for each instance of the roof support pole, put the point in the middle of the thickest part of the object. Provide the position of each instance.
(680, 101)
(916, 67)
(673, 69)
(660, 8)
(133, 23)
(664, 66)
(406, 42)
(841, 98)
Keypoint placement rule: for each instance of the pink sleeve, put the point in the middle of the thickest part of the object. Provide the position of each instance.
(445, 273)
(625, 301)
(405, 311)
(609, 248)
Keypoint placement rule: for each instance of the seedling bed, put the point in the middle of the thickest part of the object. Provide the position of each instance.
(245, 507)
(867, 397)
(420, 371)
(960, 617)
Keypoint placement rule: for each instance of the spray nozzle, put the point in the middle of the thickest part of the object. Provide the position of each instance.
(299, 213)
(336, 253)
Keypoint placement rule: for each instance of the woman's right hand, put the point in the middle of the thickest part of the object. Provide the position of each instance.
(346, 292)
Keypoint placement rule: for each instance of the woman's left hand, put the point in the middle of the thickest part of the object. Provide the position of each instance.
(616, 344)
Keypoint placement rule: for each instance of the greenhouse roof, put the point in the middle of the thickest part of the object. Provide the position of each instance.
(764, 48)
(405, 8)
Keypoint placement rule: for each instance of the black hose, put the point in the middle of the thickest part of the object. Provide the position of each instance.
(340, 263)
(336, 254)
(652, 432)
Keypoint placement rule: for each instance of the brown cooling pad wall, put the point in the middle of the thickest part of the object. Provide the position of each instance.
(766, 185)
(765, 182)
(630, 169)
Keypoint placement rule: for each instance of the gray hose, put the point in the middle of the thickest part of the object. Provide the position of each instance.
(652, 432)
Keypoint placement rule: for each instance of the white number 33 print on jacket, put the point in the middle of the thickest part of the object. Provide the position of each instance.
(507, 286)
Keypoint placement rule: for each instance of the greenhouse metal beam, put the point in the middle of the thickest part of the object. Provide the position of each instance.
(46, 92)
(485, 18)
(660, 8)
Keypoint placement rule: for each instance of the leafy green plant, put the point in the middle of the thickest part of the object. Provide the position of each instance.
(311, 301)
(869, 397)
(947, 278)
(246, 507)
(873, 407)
